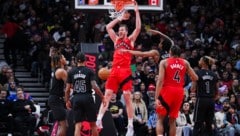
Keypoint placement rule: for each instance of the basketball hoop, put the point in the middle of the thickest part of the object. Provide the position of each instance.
(119, 8)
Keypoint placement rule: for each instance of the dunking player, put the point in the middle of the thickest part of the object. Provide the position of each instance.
(120, 76)
(169, 89)
(206, 89)
(81, 79)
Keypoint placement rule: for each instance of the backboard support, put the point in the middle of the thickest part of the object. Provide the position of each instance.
(148, 5)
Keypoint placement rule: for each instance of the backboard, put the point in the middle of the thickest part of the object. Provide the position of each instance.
(151, 5)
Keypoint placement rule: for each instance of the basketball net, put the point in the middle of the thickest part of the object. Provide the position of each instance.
(119, 8)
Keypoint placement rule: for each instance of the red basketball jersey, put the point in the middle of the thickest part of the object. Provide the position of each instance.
(119, 58)
(174, 72)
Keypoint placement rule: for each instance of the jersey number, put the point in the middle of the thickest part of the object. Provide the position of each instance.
(80, 86)
(176, 76)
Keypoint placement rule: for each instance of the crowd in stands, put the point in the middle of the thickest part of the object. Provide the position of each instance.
(200, 27)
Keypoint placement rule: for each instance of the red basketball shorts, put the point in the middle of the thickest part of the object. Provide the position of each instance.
(173, 97)
(116, 77)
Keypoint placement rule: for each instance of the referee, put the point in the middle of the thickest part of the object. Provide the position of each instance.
(206, 89)
(82, 80)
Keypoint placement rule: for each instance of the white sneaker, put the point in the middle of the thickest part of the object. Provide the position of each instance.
(99, 124)
(130, 130)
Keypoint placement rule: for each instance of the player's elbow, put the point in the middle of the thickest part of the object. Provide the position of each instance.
(108, 27)
(138, 27)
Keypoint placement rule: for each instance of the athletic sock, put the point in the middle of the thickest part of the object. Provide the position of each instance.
(130, 122)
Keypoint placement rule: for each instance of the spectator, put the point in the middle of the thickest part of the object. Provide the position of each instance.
(214, 69)
(22, 113)
(152, 120)
(150, 77)
(3, 76)
(13, 92)
(227, 80)
(223, 92)
(236, 86)
(144, 92)
(140, 115)
(232, 121)
(116, 109)
(10, 76)
(151, 95)
(192, 100)
(193, 60)
(9, 29)
(185, 119)
(233, 99)
(220, 126)
(6, 111)
(68, 50)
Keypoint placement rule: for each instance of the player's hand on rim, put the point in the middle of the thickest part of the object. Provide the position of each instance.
(135, 5)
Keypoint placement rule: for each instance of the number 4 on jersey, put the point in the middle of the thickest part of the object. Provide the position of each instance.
(176, 76)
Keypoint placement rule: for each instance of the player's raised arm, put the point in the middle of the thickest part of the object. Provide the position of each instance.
(137, 30)
(111, 32)
(162, 34)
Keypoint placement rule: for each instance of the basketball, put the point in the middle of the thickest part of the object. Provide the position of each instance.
(103, 73)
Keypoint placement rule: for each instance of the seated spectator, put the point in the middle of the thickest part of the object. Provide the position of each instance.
(151, 95)
(13, 89)
(236, 86)
(144, 92)
(152, 121)
(220, 126)
(140, 115)
(192, 100)
(233, 99)
(5, 111)
(218, 105)
(116, 109)
(185, 119)
(10, 76)
(22, 113)
(232, 120)
(223, 92)
(227, 80)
